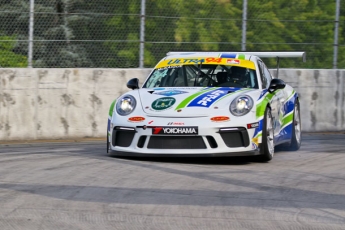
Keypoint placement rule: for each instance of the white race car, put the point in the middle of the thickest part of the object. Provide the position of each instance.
(207, 104)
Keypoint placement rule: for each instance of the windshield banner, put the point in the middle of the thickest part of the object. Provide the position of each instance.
(169, 63)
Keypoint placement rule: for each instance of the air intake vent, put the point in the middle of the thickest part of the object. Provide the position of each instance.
(235, 137)
(122, 138)
(176, 142)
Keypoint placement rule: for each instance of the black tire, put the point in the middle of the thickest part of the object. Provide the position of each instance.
(296, 137)
(267, 145)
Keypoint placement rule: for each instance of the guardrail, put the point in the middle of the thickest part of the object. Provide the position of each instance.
(74, 103)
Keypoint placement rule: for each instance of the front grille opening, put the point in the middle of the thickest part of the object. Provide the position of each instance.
(235, 138)
(176, 142)
(122, 138)
(141, 141)
(212, 142)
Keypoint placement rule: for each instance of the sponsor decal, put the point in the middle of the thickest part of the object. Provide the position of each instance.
(163, 103)
(216, 60)
(179, 61)
(254, 146)
(169, 67)
(206, 100)
(185, 61)
(136, 119)
(170, 92)
(164, 65)
(233, 61)
(150, 122)
(193, 99)
(220, 118)
(176, 123)
(253, 125)
(175, 130)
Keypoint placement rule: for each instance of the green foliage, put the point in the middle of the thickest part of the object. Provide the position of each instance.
(7, 57)
(106, 33)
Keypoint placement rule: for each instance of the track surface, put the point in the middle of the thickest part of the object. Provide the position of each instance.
(77, 186)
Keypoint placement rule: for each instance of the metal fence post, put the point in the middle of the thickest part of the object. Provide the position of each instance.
(336, 28)
(31, 32)
(142, 34)
(244, 25)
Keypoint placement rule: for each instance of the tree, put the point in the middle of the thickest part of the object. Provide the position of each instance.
(7, 57)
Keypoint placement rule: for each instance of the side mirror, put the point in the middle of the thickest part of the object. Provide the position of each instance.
(133, 83)
(276, 84)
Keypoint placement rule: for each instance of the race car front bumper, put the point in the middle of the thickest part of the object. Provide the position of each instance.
(221, 141)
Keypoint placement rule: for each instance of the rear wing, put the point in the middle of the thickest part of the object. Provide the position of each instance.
(286, 54)
(278, 55)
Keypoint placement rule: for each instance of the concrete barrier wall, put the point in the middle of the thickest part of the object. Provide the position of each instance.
(74, 103)
(322, 97)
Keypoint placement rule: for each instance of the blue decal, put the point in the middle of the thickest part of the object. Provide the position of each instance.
(158, 88)
(170, 92)
(109, 125)
(263, 93)
(284, 134)
(259, 128)
(228, 56)
(290, 104)
(207, 99)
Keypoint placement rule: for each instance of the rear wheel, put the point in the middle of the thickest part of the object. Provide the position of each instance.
(267, 145)
(295, 143)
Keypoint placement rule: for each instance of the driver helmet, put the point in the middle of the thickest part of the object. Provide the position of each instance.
(239, 74)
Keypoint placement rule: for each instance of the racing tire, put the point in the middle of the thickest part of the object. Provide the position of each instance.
(296, 136)
(267, 145)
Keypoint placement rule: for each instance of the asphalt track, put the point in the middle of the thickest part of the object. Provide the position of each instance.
(77, 186)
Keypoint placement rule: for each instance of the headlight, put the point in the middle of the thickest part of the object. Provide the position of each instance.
(241, 105)
(125, 105)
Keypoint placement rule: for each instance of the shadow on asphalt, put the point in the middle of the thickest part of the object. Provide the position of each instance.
(228, 160)
(193, 160)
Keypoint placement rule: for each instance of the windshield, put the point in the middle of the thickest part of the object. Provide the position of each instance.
(205, 75)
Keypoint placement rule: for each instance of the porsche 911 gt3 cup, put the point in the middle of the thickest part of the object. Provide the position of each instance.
(207, 104)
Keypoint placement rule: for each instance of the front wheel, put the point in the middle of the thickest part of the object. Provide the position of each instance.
(267, 145)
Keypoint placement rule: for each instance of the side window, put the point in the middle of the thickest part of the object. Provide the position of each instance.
(179, 79)
(191, 75)
(262, 76)
(267, 75)
(156, 78)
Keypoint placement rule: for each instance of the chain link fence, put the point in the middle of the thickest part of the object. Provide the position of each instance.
(110, 33)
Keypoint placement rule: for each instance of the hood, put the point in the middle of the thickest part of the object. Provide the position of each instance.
(188, 101)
